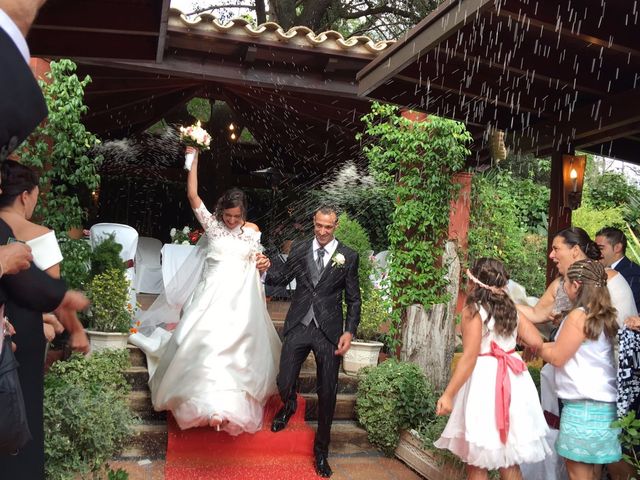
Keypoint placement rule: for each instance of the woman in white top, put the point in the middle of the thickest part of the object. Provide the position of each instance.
(585, 373)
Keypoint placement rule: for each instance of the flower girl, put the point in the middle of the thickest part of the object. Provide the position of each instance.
(496, 420)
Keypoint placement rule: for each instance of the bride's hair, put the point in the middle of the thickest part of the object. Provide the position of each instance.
(232, 198)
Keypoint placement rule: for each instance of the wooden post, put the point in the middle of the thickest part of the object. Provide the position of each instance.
(559, 215)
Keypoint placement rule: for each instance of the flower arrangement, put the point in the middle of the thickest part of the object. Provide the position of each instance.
(195, 136)
(186, 236)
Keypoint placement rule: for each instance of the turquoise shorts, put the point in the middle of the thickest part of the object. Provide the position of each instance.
(586, 434)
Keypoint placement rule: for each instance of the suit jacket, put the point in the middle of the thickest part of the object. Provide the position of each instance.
(326, 296)
(631, 273)
(22, 105)
(31, 288)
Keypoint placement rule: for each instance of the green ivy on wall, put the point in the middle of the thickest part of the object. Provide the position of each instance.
(60, 149)
(416, 161)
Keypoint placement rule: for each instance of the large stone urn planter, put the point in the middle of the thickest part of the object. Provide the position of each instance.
(361, 354)
(111, 340)
(426, 462)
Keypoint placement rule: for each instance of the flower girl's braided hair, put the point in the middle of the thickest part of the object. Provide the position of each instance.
(593, 296)
(490, 279)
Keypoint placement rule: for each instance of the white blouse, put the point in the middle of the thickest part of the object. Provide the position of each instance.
(590, 374)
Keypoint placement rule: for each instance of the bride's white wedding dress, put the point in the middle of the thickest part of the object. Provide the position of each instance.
(222, 358)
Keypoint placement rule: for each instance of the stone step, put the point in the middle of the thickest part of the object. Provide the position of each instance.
(138, 378)
(140, 403)
(136, 356)
(277, 309)
(150, 440)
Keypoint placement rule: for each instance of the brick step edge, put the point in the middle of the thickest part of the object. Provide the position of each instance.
(150, 440)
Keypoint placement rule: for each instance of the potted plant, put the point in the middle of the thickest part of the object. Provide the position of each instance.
(110, 315)
(365, 348)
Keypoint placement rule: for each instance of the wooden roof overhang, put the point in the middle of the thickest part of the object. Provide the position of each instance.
(553, 74)
(294, 90)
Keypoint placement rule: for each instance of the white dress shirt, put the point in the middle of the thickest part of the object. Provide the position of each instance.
(14, 32)
(329, 250)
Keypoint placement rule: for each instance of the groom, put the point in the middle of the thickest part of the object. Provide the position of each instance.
(323, 269)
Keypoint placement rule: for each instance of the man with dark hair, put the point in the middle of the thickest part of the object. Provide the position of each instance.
(324, 270)
(613, 245)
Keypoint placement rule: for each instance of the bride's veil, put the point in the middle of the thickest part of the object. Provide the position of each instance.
(165, 311)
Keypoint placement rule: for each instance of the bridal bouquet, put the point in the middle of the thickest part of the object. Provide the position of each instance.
(194, 136)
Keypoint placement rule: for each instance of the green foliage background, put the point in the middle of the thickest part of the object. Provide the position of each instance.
(415, 163)
(61, 150)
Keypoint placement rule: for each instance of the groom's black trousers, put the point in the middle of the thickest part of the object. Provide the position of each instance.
(295, 349)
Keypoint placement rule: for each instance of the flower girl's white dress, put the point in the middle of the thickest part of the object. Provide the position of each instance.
(222, 359)
(472, 433)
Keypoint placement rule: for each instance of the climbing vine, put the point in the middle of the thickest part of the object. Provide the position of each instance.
(416, 162)
(61, 149)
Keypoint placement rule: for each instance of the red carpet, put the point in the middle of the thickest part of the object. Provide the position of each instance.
(203, 453)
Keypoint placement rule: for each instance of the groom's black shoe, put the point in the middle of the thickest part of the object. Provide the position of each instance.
(282, 418)
(322, 465)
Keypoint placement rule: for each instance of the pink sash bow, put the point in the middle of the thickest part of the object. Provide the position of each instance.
(503, 385)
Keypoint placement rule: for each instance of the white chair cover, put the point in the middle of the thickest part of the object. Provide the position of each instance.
(381, 258)
(127, 237)
(147, 266)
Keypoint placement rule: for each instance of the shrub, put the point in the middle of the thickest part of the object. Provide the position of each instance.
(86, 416)
(351, 233)
(630, 439)
(110, 309)
(392, 396)
(374, 314)
(75, 266)
(106, 256)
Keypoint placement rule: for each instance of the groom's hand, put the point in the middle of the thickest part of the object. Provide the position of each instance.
(262, 263)
(344, 343)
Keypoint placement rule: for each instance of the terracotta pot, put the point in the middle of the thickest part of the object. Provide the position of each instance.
(75, 233)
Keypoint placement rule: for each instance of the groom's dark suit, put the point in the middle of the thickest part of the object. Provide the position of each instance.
(323, 293)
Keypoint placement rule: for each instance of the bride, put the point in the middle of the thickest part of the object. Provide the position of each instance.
(219, 366)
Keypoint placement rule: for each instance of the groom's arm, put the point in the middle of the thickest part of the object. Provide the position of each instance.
(282, 274)
(352, 297)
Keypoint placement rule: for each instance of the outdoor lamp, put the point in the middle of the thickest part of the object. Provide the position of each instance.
(573, 179)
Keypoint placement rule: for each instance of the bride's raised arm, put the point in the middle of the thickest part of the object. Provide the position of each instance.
(192, 180)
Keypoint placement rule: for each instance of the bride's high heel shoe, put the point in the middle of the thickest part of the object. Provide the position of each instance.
(217, 421)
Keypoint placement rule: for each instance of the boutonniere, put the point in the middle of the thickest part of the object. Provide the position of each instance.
(338, 260)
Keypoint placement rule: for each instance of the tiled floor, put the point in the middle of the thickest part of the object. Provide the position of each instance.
(345, 467)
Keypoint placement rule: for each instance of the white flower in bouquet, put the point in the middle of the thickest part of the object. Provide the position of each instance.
(186, 230)
(195, 136)
(186, 242)
(172, 232)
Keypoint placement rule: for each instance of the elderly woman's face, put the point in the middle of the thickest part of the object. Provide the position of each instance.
(564, 255)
